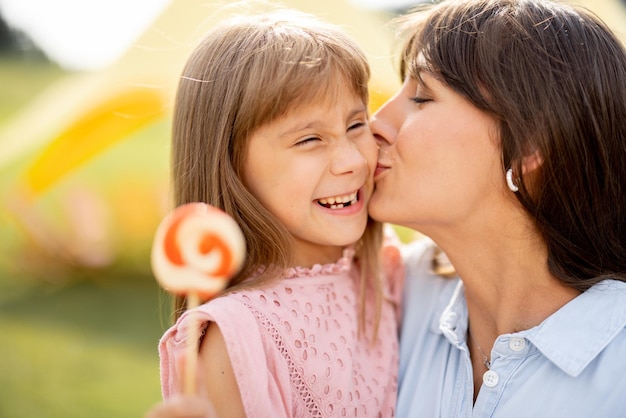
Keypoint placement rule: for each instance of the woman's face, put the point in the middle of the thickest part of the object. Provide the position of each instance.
(439, 162)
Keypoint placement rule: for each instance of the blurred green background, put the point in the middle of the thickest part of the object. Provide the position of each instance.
(79, 336)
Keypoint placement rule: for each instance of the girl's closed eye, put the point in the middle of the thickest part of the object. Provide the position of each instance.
(356, 125)
(307, 141)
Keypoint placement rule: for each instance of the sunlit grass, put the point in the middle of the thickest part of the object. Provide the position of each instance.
(82, 350)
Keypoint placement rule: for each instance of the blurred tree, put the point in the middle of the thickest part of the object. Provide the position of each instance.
(8, 38)
(17, 43)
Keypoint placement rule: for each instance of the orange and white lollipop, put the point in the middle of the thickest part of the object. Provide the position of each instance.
(196, 251)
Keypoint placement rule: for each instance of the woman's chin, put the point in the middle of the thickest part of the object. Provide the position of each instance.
(376, 209)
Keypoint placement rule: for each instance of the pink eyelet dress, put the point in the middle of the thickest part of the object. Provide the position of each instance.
(295, 346)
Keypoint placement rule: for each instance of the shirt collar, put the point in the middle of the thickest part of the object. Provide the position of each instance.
(570, 338)
(452, 322)
(574, 335)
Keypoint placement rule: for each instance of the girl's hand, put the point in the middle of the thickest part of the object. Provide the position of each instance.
(183, 406)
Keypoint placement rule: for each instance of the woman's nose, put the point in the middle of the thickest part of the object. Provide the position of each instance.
(382, 125)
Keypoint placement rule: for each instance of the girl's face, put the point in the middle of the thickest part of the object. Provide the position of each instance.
(313, 169)
(439, 162)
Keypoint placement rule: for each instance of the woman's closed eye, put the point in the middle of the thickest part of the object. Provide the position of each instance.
(420, 100)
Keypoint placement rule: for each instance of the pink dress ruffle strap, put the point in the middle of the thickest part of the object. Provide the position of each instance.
(343, 265)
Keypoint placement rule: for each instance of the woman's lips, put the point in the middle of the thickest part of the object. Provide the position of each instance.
(380, 169)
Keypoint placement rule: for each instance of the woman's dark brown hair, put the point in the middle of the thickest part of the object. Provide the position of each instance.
(554, 78)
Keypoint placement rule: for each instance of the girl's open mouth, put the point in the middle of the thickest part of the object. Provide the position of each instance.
(339, 202)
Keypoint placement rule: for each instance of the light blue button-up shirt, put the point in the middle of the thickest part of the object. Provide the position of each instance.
(571, 365)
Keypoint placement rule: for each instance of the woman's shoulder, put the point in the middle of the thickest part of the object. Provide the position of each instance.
(430, 279)
(418, 256)
(410, 254)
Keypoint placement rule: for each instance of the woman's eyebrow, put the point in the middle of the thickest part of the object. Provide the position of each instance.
(420, 80)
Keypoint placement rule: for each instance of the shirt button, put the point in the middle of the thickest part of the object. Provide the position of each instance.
(517, 344)
(490, 378)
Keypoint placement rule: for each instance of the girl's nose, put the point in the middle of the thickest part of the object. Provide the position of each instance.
(347, 158)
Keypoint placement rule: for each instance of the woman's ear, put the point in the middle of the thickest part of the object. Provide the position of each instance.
(531, 162)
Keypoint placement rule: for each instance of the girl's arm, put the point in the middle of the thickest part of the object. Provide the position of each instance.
(217, 375)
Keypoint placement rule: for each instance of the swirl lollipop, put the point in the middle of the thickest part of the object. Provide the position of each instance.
(196, 251)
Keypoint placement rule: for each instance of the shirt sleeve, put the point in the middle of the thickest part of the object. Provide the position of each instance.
(261, 372)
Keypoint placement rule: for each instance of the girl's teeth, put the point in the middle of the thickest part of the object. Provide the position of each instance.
(339, 202)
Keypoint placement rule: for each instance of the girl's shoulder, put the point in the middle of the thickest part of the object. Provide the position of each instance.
(227, 311)
(254, 357)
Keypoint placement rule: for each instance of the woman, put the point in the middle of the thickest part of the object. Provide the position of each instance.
(506, 145)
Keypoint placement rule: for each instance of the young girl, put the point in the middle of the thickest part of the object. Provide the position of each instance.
(271, 126)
